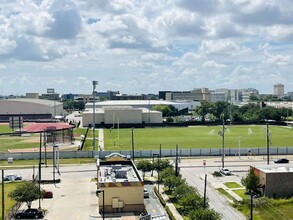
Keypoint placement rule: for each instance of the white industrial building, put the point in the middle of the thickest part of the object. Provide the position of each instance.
(30, 109)
(121, 115)
(148, 104)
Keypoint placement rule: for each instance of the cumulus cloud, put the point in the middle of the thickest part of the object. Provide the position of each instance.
(3, 67)
(213, 64)
(166, 43)
(278, 59)
(218, 47)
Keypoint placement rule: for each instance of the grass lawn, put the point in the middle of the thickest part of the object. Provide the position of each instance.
(225, 193)
(232, 185)
(186, 137)
(240, 192)
(265, 209)
(197, 137)
(4, 128)
(8, 187)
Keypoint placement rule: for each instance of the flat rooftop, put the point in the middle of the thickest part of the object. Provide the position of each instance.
(117, 173)
(276, 168)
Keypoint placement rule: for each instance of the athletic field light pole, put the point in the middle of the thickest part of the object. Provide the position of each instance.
(222, 134)
(95, 83)
(268, 143)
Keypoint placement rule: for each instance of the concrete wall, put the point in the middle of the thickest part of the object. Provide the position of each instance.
(279, 185)
(124, 194)
(152, 117)
(87, 118)
(124, 116)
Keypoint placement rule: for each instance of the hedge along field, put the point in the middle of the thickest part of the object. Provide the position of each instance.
(250, 136)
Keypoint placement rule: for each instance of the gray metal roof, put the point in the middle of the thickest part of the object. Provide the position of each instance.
(46, 102)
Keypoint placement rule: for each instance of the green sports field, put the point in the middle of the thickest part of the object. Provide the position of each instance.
(248, 136)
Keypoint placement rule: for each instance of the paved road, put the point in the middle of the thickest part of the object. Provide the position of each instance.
(193, 171)
(153, 206)
(216, 201)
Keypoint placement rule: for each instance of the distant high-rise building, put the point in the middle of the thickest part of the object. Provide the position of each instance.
(279, 90)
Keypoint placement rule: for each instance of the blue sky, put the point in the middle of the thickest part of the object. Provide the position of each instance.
(143, 46)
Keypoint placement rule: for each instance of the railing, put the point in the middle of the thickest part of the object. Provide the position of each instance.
(149, 153)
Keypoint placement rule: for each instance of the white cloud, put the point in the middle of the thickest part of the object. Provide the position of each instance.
(3, 67)
(6, 46)
(219, 47)
(278, 59)
(145, 45)
(213, 64)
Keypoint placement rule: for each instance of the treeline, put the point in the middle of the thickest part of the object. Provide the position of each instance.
(215, 111)
(187, 199)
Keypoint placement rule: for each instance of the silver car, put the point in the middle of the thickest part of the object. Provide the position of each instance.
(12, 177)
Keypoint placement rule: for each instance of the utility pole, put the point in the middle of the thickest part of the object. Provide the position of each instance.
(205, 191)
(223, 146)
(40, 168)
(94, 114)
(176, 162)
(3, 203)
(268, 144)
(222, 134)
(159, 157)
(132, 142)
(251, 205)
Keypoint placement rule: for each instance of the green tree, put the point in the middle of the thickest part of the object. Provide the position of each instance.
(163, 164)
(169, 171)
(26, 192)
(191, 202)
(183, 190)
(172, 181)
(144, 166)
(251, 181)
(203, 110)
(219, 108)
(204, 214)
(167, 110)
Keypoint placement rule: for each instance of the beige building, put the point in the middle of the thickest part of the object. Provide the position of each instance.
(120, 115)
(279, 90)
(121, 184)
(275, 180)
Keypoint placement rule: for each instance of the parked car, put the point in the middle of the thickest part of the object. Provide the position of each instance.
(283, 160)
(225, 171)
(29, 214)
(12, 177)
(47, 194)
(146, 193)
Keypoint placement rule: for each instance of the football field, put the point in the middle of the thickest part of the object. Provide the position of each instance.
(246, 136)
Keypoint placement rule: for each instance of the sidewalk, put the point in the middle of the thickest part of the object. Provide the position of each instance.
(170, 205)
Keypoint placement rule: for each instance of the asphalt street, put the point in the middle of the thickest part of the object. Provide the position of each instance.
(74, 197)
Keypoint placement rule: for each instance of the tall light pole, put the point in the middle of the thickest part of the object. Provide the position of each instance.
(95, 83)
(222, 134)
(268, 143)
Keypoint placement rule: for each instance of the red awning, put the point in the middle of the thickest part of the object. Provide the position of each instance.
(40, 127)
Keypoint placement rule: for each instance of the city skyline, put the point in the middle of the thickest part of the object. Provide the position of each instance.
(138, 47)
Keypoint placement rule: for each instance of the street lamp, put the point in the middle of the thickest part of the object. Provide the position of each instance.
(95, 83)
(97, 193)
(222, 134)
(268, 143)
(154, 155)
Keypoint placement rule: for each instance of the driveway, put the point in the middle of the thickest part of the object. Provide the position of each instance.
(74, 197)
